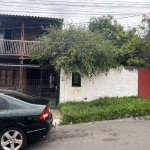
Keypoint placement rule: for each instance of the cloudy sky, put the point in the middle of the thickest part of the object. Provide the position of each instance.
(127, 12)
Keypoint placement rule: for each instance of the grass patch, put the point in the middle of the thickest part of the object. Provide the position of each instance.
(104, 109)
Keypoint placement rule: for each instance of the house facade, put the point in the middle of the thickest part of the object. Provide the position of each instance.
(17, 72)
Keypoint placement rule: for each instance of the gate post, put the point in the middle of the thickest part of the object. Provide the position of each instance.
(21, 58)
(40, 80)
(21, 76)
(58, 88)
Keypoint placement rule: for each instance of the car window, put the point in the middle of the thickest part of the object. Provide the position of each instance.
(15, 103)
(3, 104)
(20, 96)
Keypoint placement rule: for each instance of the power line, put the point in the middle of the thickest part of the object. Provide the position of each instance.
(92, 4)
(68, 13)
(57, 7)
(49, 3)
(79, 14)
(120, 17)
(74, 13)
(133, 16)
(47, 7)
(78, 4)
(48, 26)
(130, 24)
(75, 2)
(117, 18)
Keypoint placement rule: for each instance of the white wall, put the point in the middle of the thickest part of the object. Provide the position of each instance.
(118, 82)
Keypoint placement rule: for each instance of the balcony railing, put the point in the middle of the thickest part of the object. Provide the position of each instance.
(15, 47)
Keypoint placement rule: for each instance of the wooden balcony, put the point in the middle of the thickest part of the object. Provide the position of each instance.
(15, 47)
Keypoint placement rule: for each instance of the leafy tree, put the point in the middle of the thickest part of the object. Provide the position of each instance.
(138, 48)
(113, 31)
(75, 49)
(125, 51)
(110, 29)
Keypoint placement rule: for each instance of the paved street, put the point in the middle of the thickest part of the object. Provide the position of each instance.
(126, 134)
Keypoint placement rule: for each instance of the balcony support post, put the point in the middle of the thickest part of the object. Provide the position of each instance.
(21, 59)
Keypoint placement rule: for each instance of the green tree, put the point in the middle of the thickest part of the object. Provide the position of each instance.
(75, 49)
(113, 31)
(110, 29)
(129, 46)
(137, 49)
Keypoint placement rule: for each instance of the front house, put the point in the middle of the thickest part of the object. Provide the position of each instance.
(17, 72)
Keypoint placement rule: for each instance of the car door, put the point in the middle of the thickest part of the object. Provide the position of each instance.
(3, 111)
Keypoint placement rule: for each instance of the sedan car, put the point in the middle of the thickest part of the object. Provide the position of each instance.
(23, 119)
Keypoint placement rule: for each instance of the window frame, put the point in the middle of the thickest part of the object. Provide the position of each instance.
(6, 77)
(76, 76)
(5, 104)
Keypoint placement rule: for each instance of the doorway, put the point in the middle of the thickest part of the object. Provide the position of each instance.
(8, 34)
(42, 83)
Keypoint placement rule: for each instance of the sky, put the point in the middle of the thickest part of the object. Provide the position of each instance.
(80, 11)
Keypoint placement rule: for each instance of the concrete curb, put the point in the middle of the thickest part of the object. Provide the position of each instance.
(56, 121)
(56, 116)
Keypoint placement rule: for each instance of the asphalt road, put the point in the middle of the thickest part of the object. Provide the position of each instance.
(126, 134)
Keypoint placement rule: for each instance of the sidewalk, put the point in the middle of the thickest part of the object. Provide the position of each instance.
(56, 116)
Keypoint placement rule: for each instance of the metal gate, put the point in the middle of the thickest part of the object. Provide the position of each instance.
(35, 80)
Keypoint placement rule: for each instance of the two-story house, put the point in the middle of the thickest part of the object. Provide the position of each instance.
(17, 72)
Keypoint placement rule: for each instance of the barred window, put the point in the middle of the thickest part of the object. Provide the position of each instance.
(6, 77)
(76, 79)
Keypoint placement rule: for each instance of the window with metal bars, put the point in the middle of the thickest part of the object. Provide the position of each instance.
(76, 79)
(6, 77)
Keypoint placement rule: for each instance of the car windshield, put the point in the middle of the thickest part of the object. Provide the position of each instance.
(20, 96)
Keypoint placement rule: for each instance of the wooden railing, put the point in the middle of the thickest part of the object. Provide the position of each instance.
(15, 47)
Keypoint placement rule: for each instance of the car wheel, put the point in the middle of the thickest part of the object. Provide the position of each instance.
(12, 139)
